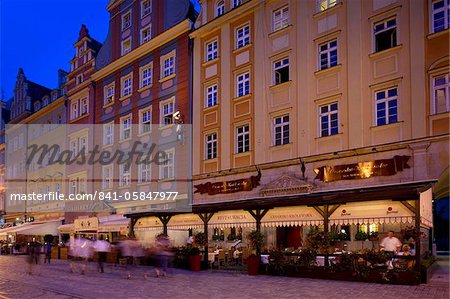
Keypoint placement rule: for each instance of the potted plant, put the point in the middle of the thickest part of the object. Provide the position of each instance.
(256, 241)
(200, 240)
(373, 236)
(361, 236)
(194, 258)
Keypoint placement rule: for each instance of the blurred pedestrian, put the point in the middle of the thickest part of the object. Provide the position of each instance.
(102, 248)
(85, 253)
(48, 252)
(162, 253)
(34, 250)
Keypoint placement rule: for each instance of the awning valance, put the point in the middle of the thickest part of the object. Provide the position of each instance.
(233, 218)
(381, 211)
(67, 228)
(292, 216)
(148, 223)
(185, 221)
(113, 223)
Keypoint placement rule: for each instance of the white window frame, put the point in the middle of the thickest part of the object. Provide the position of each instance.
(126, 126)
(244, 39)
(108, 133)
(125, 25)
(107, 176)
(386, 101)
(124, 174)
(108, 98)
(242, 80)
(236, 3)
(147, 80)
(445, 10)
(128, 49)
(282, 125)
(245, 144)
(168, 69)
(84, 106)
(168, 164)
(219, 8)
(329, 113)
(212, 95)
(74, 109)
(282, 65)
(385, 21)
(212, 50)
(323, 5)
(145, 125)
(145, 39)
(126, 85)
(445, 87)
(327, 51)
(211, 146)
(164, 115)
(149, 11)
(144, 172)
(282, 21)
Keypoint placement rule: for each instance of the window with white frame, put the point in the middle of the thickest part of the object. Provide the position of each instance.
(441, 93)
(211, 146)
(280, 18)
(74, 109)
(125, 127)
(167, 110)
(144, 172)
(236, 3)
(58, 188)
(220, 8)
(242, 84)
(145, 120)
(440, 15)
(166, 169)
(212, 50)
(281, 130)
(385, 34)
(242, 36)
(243, 139)
(328, 54)
(84, 106)
(328, 119)
(386, 106)
(45, 101)
(281, 70)
(127, 85)
(168, 64)
(79, 79)
(325, 4)
(124, 174)
(78, 144)
(146, 8)
(211, 95)
(108, 93)
(108, 133)
(126, 20)
(107, 176)
(146, 75)
(126, 46)
(73, 186)
(146, 34)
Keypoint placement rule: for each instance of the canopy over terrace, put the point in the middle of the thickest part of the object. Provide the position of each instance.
(405, 195)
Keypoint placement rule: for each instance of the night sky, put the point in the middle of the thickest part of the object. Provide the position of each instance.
(38, 35)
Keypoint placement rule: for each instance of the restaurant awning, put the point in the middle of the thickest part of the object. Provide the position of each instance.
(234, 218)
(113, 223)
(66, 228)
(148, 223)
(36, 228)
(185, 221)
(381, 211)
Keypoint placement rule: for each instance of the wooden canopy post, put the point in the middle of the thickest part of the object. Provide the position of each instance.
(417, 240)
(165, 220)
(258, 215)
(205, 217)
(326, 212)
(133, 221)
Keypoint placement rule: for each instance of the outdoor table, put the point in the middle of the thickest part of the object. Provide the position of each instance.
(211, 257)
(264, 259)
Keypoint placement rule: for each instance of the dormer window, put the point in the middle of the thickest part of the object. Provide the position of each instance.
(80, 51)
(79, 79)
(126, 20)
(54, 96)
(220, 8)
(45, 101)
(37, 106)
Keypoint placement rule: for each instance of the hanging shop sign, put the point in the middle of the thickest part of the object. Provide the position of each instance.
(362, 170)
(83, 224)
(229, 186)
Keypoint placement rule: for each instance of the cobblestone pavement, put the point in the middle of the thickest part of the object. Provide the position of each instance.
(55, 281)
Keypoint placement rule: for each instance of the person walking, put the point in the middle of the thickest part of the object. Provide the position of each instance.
(48, 252)
(102, 248)
(34, 249)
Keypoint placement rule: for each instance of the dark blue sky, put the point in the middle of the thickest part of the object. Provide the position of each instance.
(38, 35)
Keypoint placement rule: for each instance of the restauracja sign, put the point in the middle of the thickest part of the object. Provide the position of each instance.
(362, 170)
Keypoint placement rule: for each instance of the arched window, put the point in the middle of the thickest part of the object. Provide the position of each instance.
(45, 101)
(220, 8)
(37, 106)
